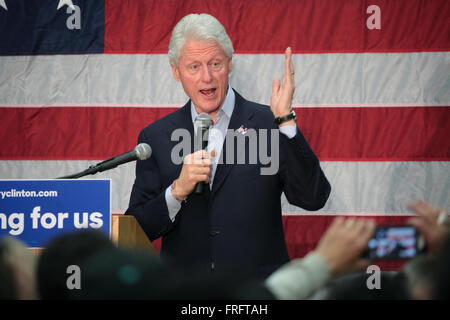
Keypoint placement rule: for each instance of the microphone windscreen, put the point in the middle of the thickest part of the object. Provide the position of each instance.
(143, 151)
(204, 120)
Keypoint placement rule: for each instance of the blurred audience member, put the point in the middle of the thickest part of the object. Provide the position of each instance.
(432, 222)
(441, 279)
(393, 286)
(60, 253)
(121, 274)
(424, 277)
(338, 252)
(419, 273)
(17, 271)
(124, 274)
(8, 287)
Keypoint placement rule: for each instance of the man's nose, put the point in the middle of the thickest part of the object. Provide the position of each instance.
(206, 74)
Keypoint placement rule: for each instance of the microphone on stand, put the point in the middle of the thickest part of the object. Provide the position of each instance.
(141, 152)
(202, 123)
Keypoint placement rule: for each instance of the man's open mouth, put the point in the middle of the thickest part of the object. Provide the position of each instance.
(208, 92)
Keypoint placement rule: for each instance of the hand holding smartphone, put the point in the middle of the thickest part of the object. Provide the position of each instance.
(395, 242)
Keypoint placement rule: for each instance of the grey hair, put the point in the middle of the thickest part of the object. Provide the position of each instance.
(200, 27)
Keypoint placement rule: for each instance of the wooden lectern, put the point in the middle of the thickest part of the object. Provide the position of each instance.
(126, 233)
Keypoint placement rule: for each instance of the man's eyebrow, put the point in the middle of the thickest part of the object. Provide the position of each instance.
(190, 62)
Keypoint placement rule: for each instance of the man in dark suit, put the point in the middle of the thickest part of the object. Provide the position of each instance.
(237, 220)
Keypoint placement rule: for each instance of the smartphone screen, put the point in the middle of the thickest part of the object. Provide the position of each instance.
(394, 242)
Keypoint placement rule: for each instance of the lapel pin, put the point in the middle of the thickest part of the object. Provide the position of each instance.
(242, 130)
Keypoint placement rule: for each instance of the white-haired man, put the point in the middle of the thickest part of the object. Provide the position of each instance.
(237, 221)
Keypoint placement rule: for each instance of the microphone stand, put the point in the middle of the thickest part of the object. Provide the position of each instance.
(74, 176)
(90, 170)
(141, 152)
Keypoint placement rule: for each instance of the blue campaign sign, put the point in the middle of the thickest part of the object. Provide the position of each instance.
(36, 211)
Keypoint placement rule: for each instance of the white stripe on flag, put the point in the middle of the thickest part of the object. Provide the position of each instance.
(357, 187)
(419, 78)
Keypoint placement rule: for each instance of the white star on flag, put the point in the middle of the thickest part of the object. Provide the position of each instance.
(63, 2)
(3, 4)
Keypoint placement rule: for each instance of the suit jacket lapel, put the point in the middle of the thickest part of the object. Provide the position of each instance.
(241, 116)
(182, 120)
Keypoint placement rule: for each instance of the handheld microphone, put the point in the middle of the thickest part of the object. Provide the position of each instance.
(141, 152)
(203, 122)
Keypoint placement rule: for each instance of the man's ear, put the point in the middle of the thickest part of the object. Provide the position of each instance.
(230, 66)
(176, 72)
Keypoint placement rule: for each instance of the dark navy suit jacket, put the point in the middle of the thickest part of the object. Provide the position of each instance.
(238, 223)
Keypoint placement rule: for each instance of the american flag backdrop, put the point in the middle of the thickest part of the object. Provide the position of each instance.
(79, 79)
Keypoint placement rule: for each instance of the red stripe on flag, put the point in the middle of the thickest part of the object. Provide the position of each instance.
(302, 234)
(377, 134)
(335, 134)
(72, 133)
(307, 26)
